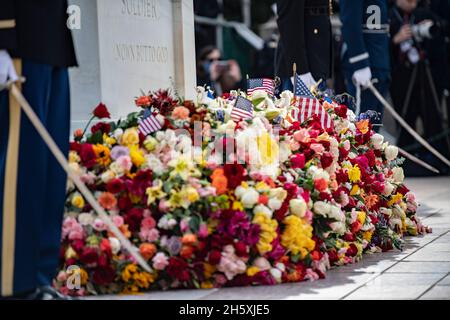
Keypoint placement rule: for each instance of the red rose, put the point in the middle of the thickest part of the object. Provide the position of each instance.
(241, 249)
(178, 268)
(348, 236)
(89, 255)
(87, 155)
(352, 250)
(298, 161)
(77, 245)
(105, 247)
(326, 160)
(341, 111)
(102, 127)
(133, 218)
(75, 146)
(103, 275)
(214, 257)
(101, 111)
(235, 174)
(402, 189)
(115, 186)
(124, 203)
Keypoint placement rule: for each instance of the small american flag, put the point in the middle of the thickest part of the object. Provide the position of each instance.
(300, 88)
(306, 107)
(260, 84)
(242, 110)
(149, 125)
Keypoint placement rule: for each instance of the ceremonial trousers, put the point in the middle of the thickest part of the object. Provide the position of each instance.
(32, 184)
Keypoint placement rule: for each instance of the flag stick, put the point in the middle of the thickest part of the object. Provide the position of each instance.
(75, 178)
(418, 161)
(405, 125)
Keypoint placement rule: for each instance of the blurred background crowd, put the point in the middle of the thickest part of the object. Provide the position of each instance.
(235, 38)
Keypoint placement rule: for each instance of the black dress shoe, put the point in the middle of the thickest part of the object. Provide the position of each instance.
(49, 293)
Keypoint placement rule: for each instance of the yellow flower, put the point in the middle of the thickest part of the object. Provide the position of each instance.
(251, 271)
(150, 143)
(361, 217)
(237, 206)
(268, 232)
(354, 174)
(183, 198)
(155, 192)
(262, 186)
(367, 235)
(395, 199)
(297, 237)
(206, 285)
(103, 154)
(208, 270)
(78, 201)
(130, 137)
(109, 140)
(70, 253)
(74, 157)
(355, 190)
(268, 149)
(128, 272)
(137, 156)
(183, 167)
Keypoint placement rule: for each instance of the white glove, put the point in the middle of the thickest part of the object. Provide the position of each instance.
(7, 71)
(362, 77)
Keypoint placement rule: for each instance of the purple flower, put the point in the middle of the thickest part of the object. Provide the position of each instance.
(119, 151)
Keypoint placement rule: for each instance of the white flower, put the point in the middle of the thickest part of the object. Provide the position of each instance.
(167, 222)
(298, 207)
(155, 164)
(322, 208)
(239, 191)
(377, 141)
(338, 227)
(107, 176)
(386, 211)
(118, 134)
(99, 225)
(388, 188)
(115, 245)
(263, 209)
(274, 203)
(398, 175)
(391, 152)
(262, 263)
(249, 198)
(276, 273)
(259, 94)
(336, 213)
(85, 219)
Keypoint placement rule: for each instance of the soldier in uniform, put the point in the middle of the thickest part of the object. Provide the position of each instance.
(305, 39)
(35, 43)
(365, 55)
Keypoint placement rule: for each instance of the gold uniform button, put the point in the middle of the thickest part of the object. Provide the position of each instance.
(316, 31)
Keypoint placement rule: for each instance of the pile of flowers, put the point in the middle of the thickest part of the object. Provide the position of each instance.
(211, 202)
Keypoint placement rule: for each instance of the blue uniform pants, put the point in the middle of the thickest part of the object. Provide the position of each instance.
(41, 183)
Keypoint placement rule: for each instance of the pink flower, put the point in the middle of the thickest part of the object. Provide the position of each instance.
(203, 230)
(302, 136)
(230, 264)
(163, 206)
(148, 223)
(118, 221)
(125, 163)
(294, 145)
(160, 261)
(317, 148)
(99, 225)
(149, 235)
(184, 225)
(207, 191)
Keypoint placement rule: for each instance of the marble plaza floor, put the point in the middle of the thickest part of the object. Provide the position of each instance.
(421, 271)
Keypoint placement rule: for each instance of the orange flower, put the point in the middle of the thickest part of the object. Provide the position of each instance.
(371, 200)
(363, 126)
(186, 252)
(143, 101)
(107, 200)
(180, 113)
(189, 239)
(219, 181)
(147, 250)
(78, 133)
(320, 184)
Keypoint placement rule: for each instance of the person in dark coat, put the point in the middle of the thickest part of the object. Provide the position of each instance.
(412, 58)
(365, 53)
(35, 43)
(305, 39)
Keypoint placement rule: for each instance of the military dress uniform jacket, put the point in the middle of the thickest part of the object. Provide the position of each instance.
(305, 38)
(31, 29)
(365, 31)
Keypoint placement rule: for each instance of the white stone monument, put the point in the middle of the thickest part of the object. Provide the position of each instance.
(124, 46)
